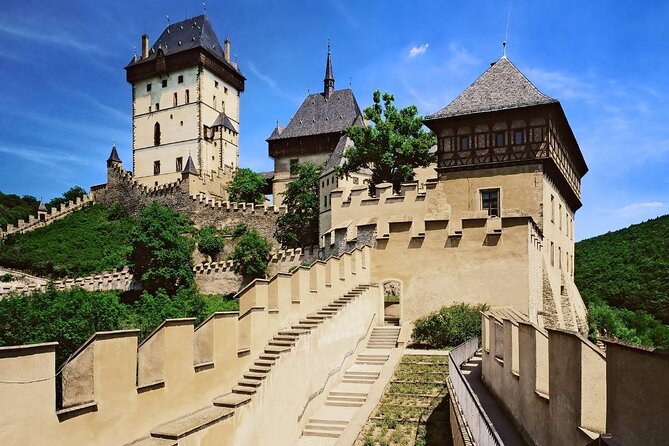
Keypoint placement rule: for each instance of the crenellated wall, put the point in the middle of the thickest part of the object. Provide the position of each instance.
(56, 213)
(116, 390)
(561, 389)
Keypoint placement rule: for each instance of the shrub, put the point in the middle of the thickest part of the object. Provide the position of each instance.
(251, 255)
(247, 186)
(638, 326)
(6, 277)
(209, 242)
(450, 326)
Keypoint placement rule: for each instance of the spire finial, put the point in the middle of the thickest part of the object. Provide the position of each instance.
(328, 82)
(204, 6)
(504, 49)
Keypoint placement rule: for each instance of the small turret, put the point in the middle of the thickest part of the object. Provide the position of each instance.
(190, 168)
(41, 211)
(113, 159)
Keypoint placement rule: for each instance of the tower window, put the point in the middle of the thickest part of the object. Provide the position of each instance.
(518, 137)
(499, 139)
(180, 79)
(552, 254)
(157, 106)
(156, 167)
(164, 83)
(148, 86)
(187, 96)
(225, 90)
(176, 100)
(156, 134)
(180, 164)
(464, 143)
(490, 201)
(325, 201)
(293, 165)
(215, 84)
(552, 209)
(215, 103)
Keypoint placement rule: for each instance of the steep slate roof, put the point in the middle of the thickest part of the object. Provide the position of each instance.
(318, 115)
(501, 87)
(41, 207)
(224, 121)
(335, 158)
(185, 35)
(190, 166)
(113, 156)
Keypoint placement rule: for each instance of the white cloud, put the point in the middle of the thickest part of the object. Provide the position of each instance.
(271, 83)
(639, 208)
(57, 39)
(418, 50)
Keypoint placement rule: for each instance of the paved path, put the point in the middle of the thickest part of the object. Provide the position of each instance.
(505, 428)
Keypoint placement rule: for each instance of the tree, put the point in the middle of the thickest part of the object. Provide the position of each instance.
(162, 249)
(299, 226)
(392, 147)
(251, 255)
(209, 242)
(247, 186)
(71, 194)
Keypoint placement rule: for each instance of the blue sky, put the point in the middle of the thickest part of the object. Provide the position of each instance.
(64, 97)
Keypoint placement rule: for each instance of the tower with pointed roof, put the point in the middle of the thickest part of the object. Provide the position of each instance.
(506, 150)
(185, 100)
(314, 134)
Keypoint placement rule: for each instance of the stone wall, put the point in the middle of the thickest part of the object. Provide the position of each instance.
(203, 211)
(116, 390)
(559, 388)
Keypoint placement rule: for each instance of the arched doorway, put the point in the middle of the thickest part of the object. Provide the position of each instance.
(392, 295)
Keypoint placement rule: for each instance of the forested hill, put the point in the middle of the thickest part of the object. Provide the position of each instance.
(13, 208)
(628, 268)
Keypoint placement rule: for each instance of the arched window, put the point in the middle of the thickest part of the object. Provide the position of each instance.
(156, 134)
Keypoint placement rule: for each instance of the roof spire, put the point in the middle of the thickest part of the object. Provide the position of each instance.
(190, 166)
(504, 49)
(328, 82)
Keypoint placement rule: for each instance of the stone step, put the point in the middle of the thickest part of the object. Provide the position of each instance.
(276, 349)
(249, 382)
(325, 426)
(351, 399)
(269, 356)
(180, 427)
(353, 394)
(292, 331)
(310, 322)
(260, 368)
(244, 390)
(264, 362)
(255, 375)
(232, 400)
(358, 381)
(316, 316)
(281, 343)
(320, 433)
(326, 312)
(153, 441)
(373, 356)
(301, 326)
(283, 337)
(343, 403)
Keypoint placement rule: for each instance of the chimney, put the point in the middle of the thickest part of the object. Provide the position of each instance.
(226, 50)
(145, 46)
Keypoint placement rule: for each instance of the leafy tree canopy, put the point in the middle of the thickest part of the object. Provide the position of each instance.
(210, 242)
(247, 186)
(251, 255)
(449, 326)
(162, 249)
(14, 208)
(299, 226)
(71, 194)
(392, 147)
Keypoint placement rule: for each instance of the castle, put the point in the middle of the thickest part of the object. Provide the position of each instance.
(492, 222)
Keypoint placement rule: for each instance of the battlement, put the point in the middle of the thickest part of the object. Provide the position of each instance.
(113, 280)
(227, 206)
(175, 370)
(562, 389)
(41, 220)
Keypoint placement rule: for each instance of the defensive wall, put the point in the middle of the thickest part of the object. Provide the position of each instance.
(46, 218)
(441, 257)
(203, 210)
(114, 389)
(559, 388)
(211, 277)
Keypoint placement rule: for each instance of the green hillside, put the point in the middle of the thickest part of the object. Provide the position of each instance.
(14, 208)
(88, 241)
(623, 277)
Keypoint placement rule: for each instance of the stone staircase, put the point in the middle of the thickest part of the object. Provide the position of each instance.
(168, 434)
(345, 399)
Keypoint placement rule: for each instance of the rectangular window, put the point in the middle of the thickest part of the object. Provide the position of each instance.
(464, 143)
(175, 102)
(552, 254)
(180, 164)
(180, 79)
(560, 216)
(325, 201)
(148, 86)
(490, 201)
(215, 103)
(215, 84)
(157, 106)
(560, 257)
(164, 83)
(187, 97)
(225, 90)
(499, 139)
(518, 137)
(293, 165)
(156, 167)
(552, 209)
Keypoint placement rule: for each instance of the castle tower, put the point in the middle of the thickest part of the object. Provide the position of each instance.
(314, 133)
(185, 99)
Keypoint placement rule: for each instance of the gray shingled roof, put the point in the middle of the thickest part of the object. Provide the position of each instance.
(190, 166)
(113, 156)
(185, 35)
(41, 207)
(501, 87)
(318, 115)
(337, 154)
(224, 121)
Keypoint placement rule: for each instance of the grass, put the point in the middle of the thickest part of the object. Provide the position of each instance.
(413, 410)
